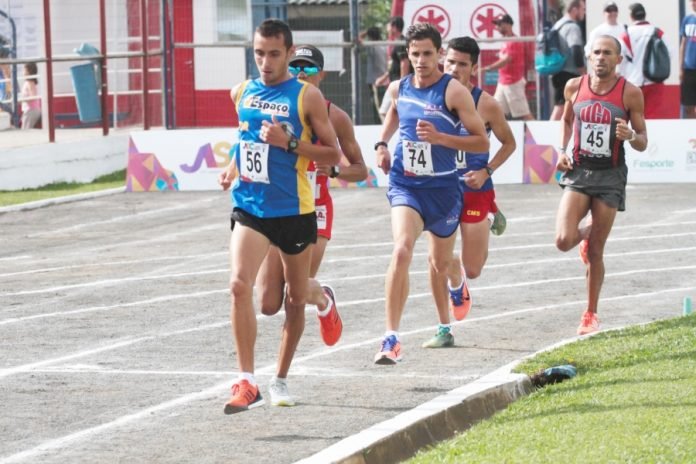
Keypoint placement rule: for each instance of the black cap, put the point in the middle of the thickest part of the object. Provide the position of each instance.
(506, 18)
(611, 6)
(310, 54)
(637, 10)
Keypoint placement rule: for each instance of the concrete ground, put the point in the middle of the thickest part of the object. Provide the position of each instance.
(116, 345)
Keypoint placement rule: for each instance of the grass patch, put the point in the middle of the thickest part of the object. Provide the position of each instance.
(634, 400)
(59, 189)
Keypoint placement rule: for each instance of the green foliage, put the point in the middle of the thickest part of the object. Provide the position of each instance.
(59, 189)
(377, 14)
(634, 400)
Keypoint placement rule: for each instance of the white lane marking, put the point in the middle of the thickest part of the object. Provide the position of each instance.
(215, 390)
(105, 282)
(153, 259)
(333, 247)
(127, 217)
(301, 371)
(343, 303)
(159, 299)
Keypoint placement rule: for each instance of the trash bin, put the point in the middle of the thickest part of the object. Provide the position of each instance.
(86, 92)
(86, 83)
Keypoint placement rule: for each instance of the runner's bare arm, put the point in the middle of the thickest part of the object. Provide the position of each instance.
(564, 162)
(633, 101)
(389, 127)
(356, 170)
(459, 100)
(490, 111)
(274, 132)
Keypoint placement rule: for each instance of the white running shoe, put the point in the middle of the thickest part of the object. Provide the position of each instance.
(280, 396)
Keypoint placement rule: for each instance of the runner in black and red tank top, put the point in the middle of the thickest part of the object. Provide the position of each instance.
(597, 110)
(307, 65)
(596, 145)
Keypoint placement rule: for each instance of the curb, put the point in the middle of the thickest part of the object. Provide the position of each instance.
(399, 438)
(439, 419)
(58, 200)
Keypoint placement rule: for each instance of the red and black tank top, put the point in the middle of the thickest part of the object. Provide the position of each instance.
(596, 145)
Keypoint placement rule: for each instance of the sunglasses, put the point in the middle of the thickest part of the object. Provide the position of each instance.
(307, 70)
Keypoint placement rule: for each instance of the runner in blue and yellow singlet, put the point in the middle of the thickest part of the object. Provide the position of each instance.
(428, 108)
(273, 199)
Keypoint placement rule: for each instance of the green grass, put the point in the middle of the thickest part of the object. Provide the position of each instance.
(634, 400)
(113, 180)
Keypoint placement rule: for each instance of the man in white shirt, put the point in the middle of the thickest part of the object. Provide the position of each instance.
(634, 42)
(610, 26)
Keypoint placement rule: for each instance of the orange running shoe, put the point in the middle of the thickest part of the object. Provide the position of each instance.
(584, 246)
(390, 353)
(588, 324)
(460, 300)
(331, 325)
(245, 396)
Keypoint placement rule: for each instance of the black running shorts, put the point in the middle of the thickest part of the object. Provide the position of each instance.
(292, 234)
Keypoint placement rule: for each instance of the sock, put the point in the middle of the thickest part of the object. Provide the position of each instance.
(389, 333)
(325, 311)
(249, 377)
(279, 379)
(444, 328)
(461, 286)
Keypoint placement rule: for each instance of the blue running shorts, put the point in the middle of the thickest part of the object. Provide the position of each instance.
(440, 208)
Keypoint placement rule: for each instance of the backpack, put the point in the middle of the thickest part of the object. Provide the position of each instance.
(548, 58)
(656, 65)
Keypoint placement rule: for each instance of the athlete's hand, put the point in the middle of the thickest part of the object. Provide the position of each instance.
(426, 131)
(383, 159)
(227, 176)
(273, 133)
(475, 179)
(323, 169)
(564, 163)
(623, 132)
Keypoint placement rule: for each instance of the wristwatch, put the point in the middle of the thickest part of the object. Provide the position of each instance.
(335, 171)
(489, 170)
(381, 143)
(292, 144)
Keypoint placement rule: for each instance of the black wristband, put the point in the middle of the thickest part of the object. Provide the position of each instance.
(381, 143)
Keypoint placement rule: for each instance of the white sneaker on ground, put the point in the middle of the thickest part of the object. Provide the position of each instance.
(280, 396)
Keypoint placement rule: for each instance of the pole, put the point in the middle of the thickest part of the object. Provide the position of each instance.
(144, 47)
(355, 62)
(49, 70)
(104, 84)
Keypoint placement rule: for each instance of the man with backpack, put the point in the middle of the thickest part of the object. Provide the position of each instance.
(572, 47)
(638, 50)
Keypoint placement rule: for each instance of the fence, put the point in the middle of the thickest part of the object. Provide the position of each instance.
(164, 63)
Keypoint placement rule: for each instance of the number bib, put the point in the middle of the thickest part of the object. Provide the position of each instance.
(321, 217)
(312, 178)
(417, 158)
(595, 139)
(460, 159)
(254, 162)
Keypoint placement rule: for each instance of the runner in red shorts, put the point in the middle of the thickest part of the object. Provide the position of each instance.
(475, 171)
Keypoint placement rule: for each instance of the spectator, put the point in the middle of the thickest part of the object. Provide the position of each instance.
(635, 40)
(5, 77)
(610, 26)
(510, 92)
(687, 63)
(399, 64)
(31, 104)
(376, 67)
(572, 46)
